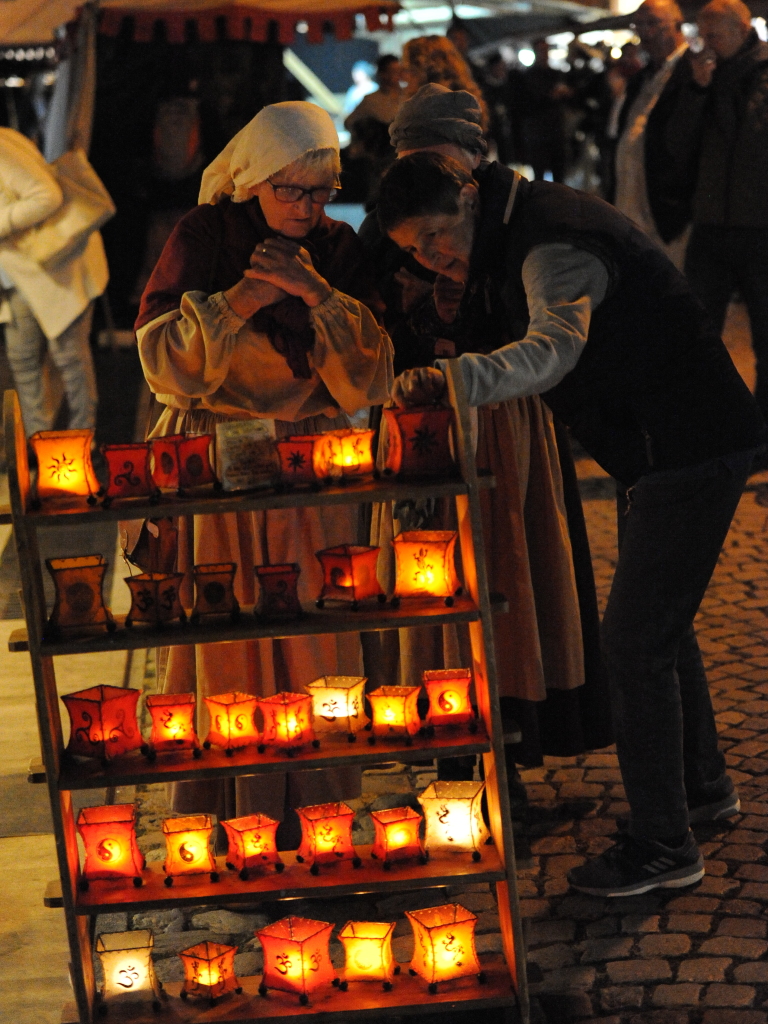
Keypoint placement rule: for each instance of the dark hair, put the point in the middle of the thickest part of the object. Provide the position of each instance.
(383, 62)
(419, 184)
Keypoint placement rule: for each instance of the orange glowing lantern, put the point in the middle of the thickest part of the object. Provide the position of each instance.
(233, 721)
(279, 597)
(419, 442)
(296, 957)
(287, 722)
(448, 692)
(129, 475)
(64, 468)
(397, 836)
(444, 946)
(338, 705)
(155, 599)
(300, 458)
(395, 713)
(214, 591)
(209, 971)
(173, 723)
(349, 574)
(351, 458)
(129, 975)
(102, 721)
(78, 607)
(252, 844)
(425, 565)
(326, 835)
(368, 952)
(454, 817)
(186, 847)
(111, 851)
(180, 461)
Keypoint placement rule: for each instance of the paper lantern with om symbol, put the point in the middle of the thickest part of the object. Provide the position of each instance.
(78, 608)
(64, 468)
(180, 461)
(419, 442)
(397, 836)
(233, 721)
(368, 952)
(251, 844)
(155, 599)
(351, 458)
(454, 817)
(173, 723)
(444, 944)
(278, 595)
(109, 837)
(126, 961)
(448, 692)
(214, 591)
(287, 722)
(186, 847)
(103, 721)
(395, 713)
(326, 835)
(296, 957)
(338, 705)
(425, 565)
(349, 574)
(129, 475)
(209, 971)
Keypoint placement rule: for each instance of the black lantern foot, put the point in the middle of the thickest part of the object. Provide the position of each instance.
(424, 858)
(314, 870)
(387, 866)
(343, 986)
(169, 881)
(387, 986)
(243, 876)
(229, 752)
(371, 741)
(395, 602)
(368, 726)
(214, 876)
(412, 972)
(459, 591)
(263, 991)
(381, 598)
(138, 881)
(304, 999)
(207, 744)
(320, 603)
(261, 748)
(239, 990)
(316, 744)
(432, 989)
(473, 726)
(482, 977)
(83, 885)
(279, 866)
(397, 969)
(356, 862)
(157, 1005)
(299, 858)
(336, 982)
(351, 738)
(197, 753)
(475, 856)
(449, 602)
(230, 867)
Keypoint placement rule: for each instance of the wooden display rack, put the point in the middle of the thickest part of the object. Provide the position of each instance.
(506, 983)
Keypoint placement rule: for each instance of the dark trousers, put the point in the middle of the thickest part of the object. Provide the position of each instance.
(721, 260)
(672, 525)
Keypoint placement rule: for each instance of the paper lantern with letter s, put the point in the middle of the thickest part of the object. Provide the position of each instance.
(233, 721)
(129, 975)
(173, 724)
(326, 835)
(209, 971)
(111, 851)
(287, 722)
(444, 944)
(252, 844)
(296, 957)
(395, 713)
(454, 818)
(425, 565)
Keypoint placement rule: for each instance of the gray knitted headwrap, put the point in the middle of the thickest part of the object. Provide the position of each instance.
(436, 115)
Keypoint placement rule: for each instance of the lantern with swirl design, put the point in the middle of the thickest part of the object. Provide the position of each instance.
(128, 467)
(109, 837)
(326, 835)
(287, 722)
(233, 721)
(103, 721)
(454, 817)
(278, 592)
(338, 705)
(186, 847)
(425, 565)
(296, 957)
(126, 962)
(252, 844)
(444, 944)
(209, 972)
(173, 724)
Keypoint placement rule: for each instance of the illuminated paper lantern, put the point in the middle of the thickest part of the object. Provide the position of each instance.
(64, 468)
(109, 837)
(214, 591)
(78, 607)
(278, 595)
(126, 962)
(296, 957)
(103, 721)
(419, 442)
(186, 847)
(425, 565)
(129, 475)
(155, 599)
(252, 844)
(448, 692)
(233, 721)
(300, 459)
(173, 723)
(454, 818)
(351, 458)
(397, 836)
(326, 835)
(349, 574)
(444, 944)
(395, 713)
(368, 952)
(338, 705)
(209, 971)
(287, 722)
(182, 461)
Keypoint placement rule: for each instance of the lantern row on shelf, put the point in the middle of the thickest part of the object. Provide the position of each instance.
(297, 958)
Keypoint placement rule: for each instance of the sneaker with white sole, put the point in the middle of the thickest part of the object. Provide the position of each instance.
(633, 866)
(715, 810)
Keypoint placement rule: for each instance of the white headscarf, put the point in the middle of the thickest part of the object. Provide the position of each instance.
(278, 135)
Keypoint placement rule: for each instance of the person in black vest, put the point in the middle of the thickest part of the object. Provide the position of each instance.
(614, 340)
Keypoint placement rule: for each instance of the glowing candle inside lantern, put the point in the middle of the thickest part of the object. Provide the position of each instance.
(395, 712)
(396, 835)
(338, 705)
(326, 834)
(444, 946)
(454, 818)
(64, 466)
(352, 456)
(349, 574)
(448, 692)
(252, 844)
(109, 837)
(425, 564)
(368, 951)
(209, 971)
(287, 721)
(126, 961)
(233, 721)
(296, 957)
(187, 849)
(173, 722)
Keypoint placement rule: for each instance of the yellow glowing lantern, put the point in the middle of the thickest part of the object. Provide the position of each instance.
(233, 721)
(209, 971)
(444, 944)
(214, 591)
(425, 565)
(454, 817)
(186, 847)
(338, 705)
(64, 468)
(419, 442)
(368, 952)
(349, 574)
(326, 835)
(173, 723)
(296, 957)
(395, 713)
(397, 836)
(251, 844)
(78, 607)
(448, 692)
(155, 599)
(279, 596)
(352, 457)
(126, 962)
(109, 837)
(287, 722)
(103, 721)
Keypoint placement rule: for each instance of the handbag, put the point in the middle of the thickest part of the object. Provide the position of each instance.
(86, 207)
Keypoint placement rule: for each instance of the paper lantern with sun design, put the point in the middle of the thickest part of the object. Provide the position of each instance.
(233, 721)
(397, 836)
(78, 606)
(395, 713)
(287, 722)
(349, 574)
(64, 468)
(129, 975)
(209, 972)
(326, 835)
(425, 565)
(419, 442)
(338, 705)
(444, 944)
(454, 818)
(109, 837)
(448, 692)
(103, 721)
(252, 844)
(296, 957)
(368, 953)
(187, 850)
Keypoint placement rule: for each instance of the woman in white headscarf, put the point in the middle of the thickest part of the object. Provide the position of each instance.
(260, 307)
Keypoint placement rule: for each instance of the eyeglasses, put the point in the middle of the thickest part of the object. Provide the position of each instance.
(293, 193)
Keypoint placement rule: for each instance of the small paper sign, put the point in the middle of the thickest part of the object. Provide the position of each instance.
(245, 454)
